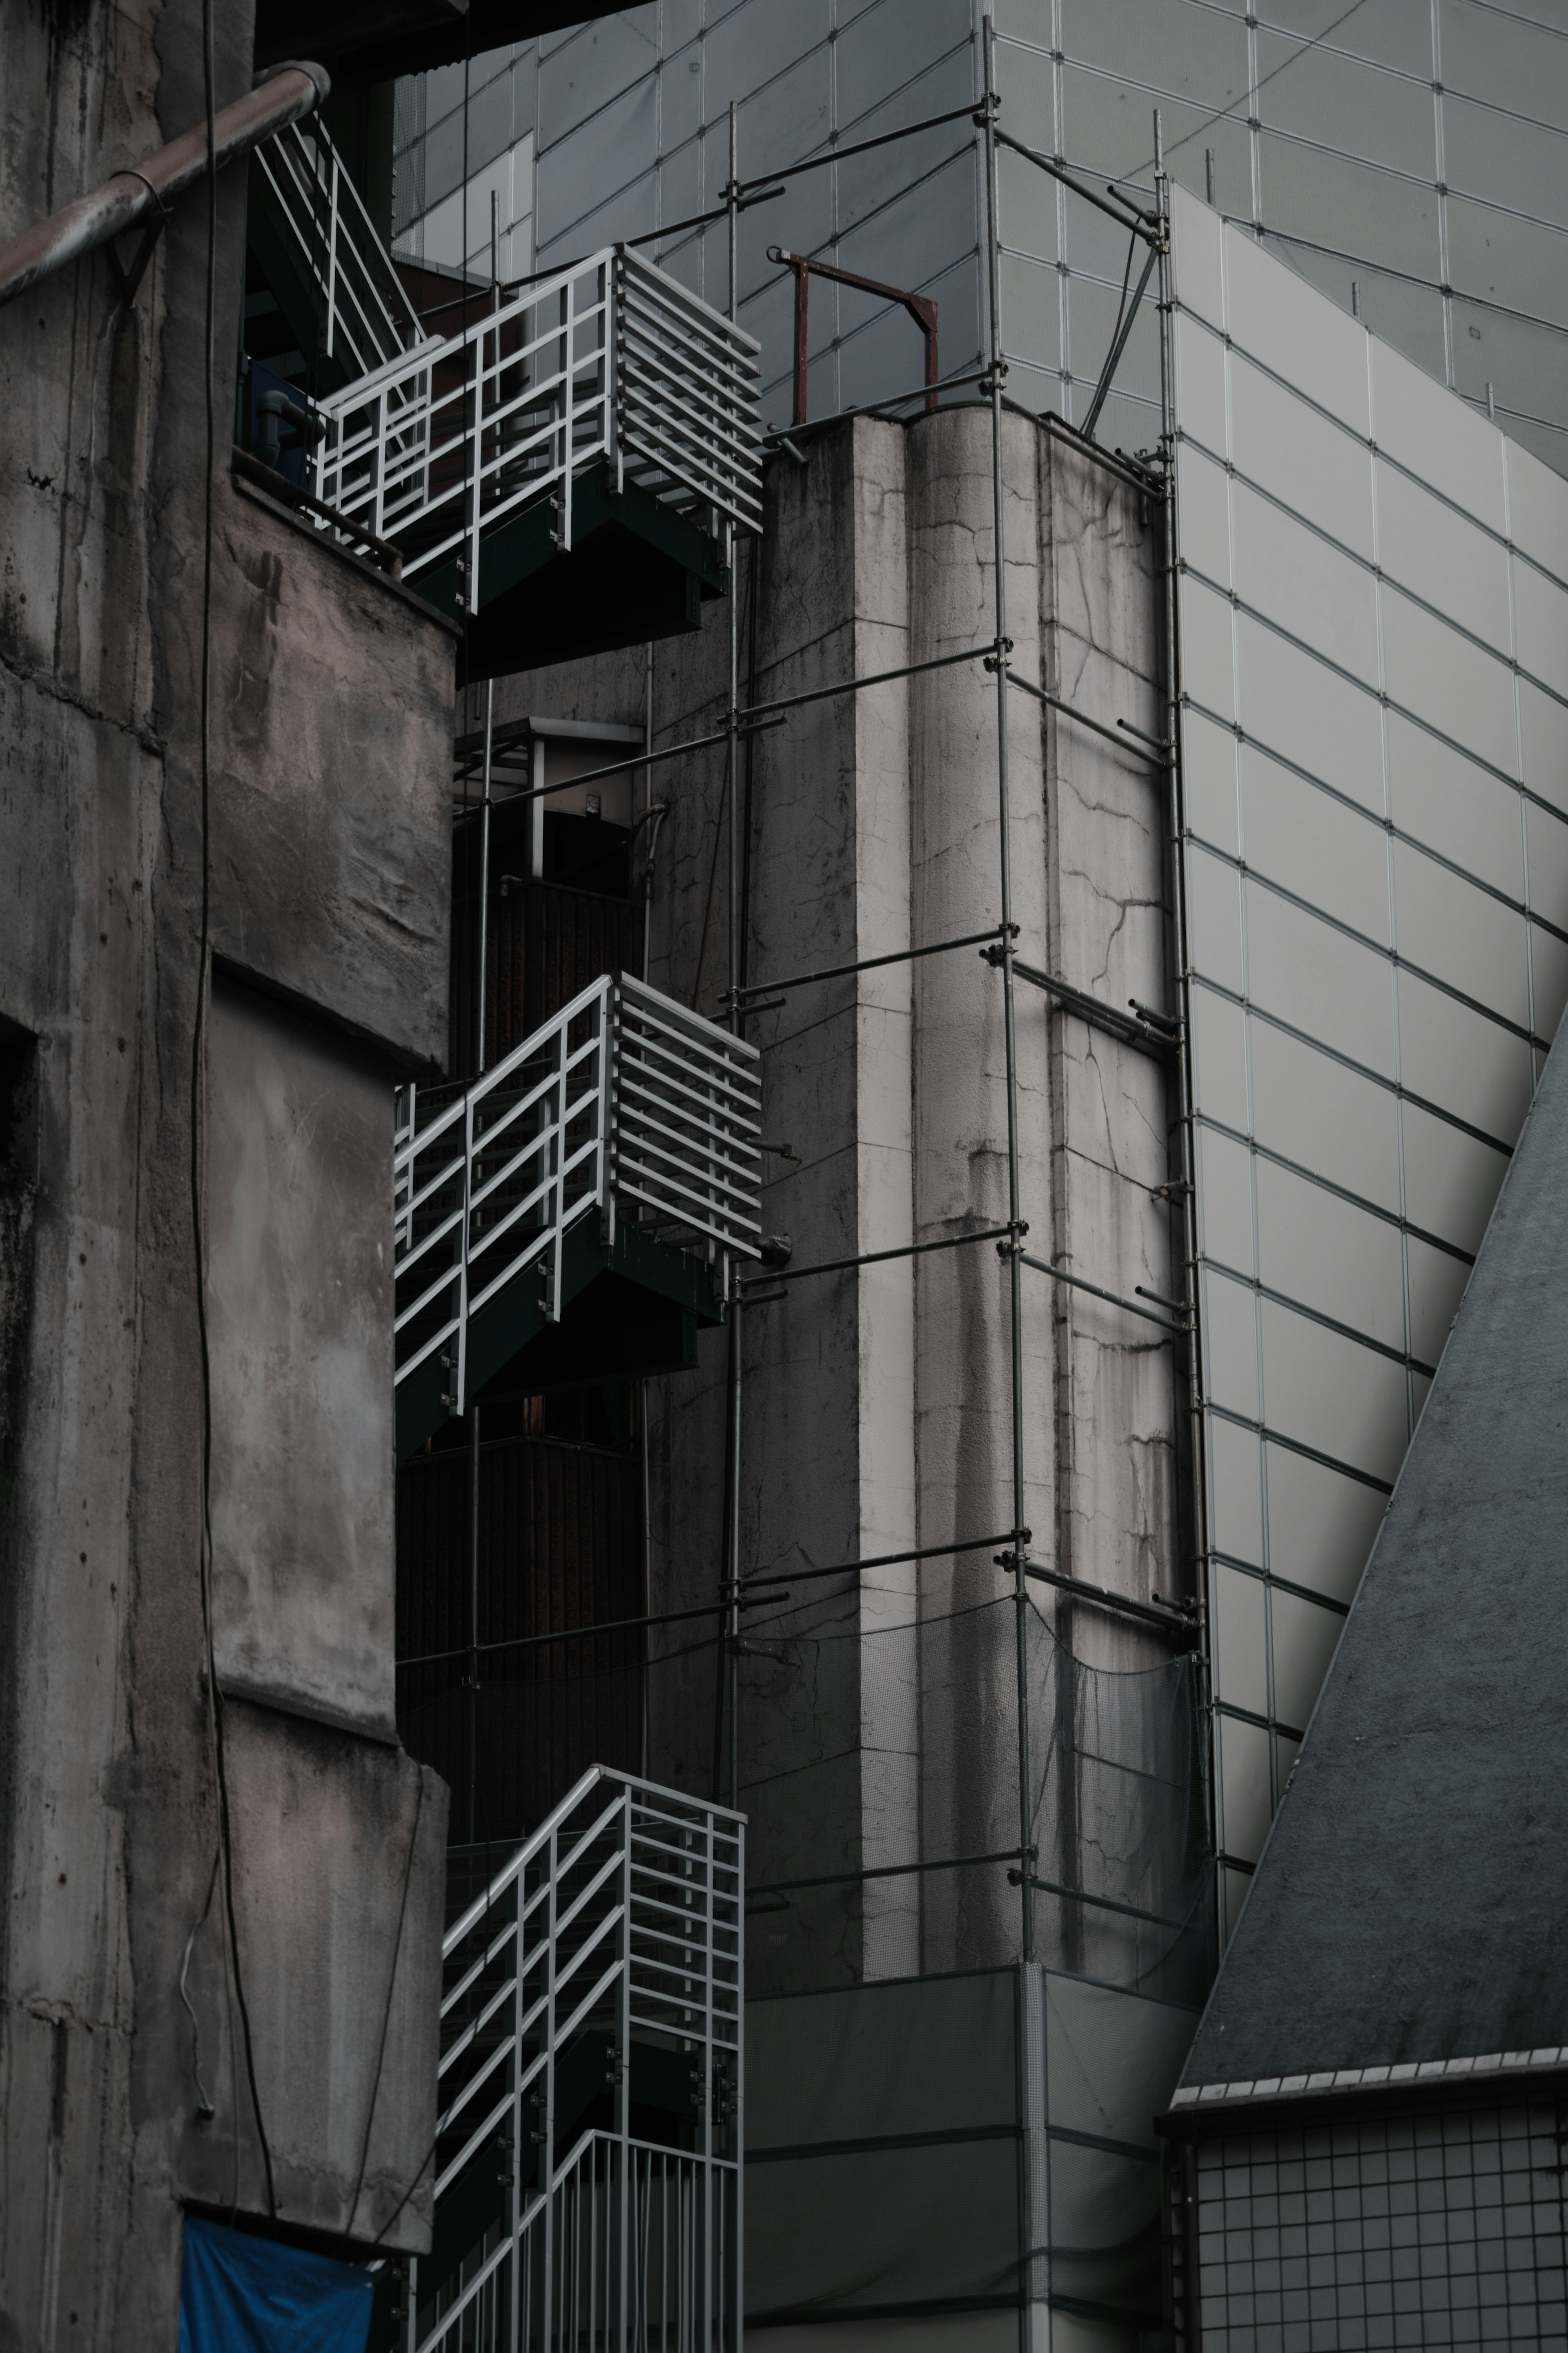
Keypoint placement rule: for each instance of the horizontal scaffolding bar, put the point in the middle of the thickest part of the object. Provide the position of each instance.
(1151, 1613)
(868, 964)
(1112, 1298)
(1117, 734)
(623, 767)
(892, 1871)
(1140, 224)
(1101, 1903)
(854, 685)
(588, 1633)
(876, 1258)
(884, 1560)
(860, 147)
(1124, 1026)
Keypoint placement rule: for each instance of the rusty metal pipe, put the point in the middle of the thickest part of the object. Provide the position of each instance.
(148, 188)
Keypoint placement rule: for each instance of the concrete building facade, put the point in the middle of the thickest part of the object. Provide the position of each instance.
(222, 938)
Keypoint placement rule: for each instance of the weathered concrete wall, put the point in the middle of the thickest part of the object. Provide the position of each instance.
(299, 1318)
(877, 1409)
(328, 748)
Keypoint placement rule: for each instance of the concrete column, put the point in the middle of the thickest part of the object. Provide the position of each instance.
(963, 1338)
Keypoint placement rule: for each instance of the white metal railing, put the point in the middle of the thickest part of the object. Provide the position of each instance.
(607, 362)
(624, 1102)
(367, 318)
(614, 1930)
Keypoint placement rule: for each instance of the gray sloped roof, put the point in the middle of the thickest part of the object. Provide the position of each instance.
(1412, 1902)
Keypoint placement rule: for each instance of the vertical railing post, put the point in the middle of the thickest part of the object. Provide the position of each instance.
(466, 1189)
(623, 2069)
(519, 2142)
(332, 257)
(614, 351)
(604, 1158)
(567, 416)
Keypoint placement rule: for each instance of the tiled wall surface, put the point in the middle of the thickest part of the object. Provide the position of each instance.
(1374, 604)
(1442, 2230)
(1416, 149)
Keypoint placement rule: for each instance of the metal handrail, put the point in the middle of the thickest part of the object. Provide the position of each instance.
(367, 318)
(607, 362)
(624, 1102)
(615, 2241)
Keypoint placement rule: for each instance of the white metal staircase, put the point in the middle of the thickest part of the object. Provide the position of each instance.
(624, 1103)
(597, 1973)
(608, 362)
(349, 281)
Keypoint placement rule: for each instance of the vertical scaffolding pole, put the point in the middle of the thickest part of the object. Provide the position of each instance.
(1186, 1153)
(732, 794)
(1034, 2311)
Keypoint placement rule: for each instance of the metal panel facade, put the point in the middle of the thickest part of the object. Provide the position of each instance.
(1374, 603)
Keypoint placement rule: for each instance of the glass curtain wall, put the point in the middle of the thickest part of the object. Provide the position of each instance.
(1409, 157)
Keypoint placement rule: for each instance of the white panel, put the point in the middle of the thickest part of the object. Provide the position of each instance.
(1330, 1255)
(1209, 781)
(1461, 934)
(1315, 467)
(1230, 1343)
(1244, 1787)
(1214, 920)
(1546, 846)
(1203, 492)
(1305, 1640)
(1225, 1200)
(1296, 578)
(1448, 802)
(1437, 437)
(1442, 558)
(1241, 1640)
(1544, 745)
(1292, 704)
(1319, 848)
(1548, 964)
(1322, 1526)
(1319, 981)
(1324, 1117)
(1200, 369)
(1447, 681)
(1207, 671)
(1308, 342)
(1236, 1491)
(1195, 243)
(1462, 1062)
(1538, 509)
(1541, 611)
(1332, 1394)
(1451, 1179)
(1220, 1059)
(1436, 1286)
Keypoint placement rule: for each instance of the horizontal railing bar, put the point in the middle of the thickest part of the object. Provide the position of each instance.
(477, 1969)
(730, 1236)
(637, 994)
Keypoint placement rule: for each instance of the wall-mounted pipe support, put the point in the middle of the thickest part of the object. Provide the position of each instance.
(147, 189)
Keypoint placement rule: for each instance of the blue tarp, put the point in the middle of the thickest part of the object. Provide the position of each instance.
(243, 2295)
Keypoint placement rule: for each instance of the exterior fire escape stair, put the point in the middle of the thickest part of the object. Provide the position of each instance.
(572, 1214)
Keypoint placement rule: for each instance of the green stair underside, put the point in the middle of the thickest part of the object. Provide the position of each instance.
(627, 1309)
(636, 569)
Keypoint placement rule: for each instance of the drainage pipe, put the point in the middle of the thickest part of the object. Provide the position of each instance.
(145, 192)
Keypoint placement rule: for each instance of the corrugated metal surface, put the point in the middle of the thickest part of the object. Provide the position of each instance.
(559, 1547)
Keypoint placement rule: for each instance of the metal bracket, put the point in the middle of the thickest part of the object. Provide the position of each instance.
(128, 280)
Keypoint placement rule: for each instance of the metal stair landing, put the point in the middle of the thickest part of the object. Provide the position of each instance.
(609, 1166)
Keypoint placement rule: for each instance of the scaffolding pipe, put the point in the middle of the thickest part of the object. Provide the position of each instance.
(737, 1017)
(1035, 2325)
(1186, 1203)
(143, 193)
